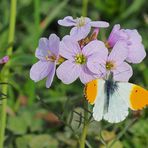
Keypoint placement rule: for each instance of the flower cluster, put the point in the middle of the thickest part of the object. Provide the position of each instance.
(82, 55)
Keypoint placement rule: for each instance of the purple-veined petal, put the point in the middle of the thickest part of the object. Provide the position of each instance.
(51, 75)
(133, 35)
(86, 75)
(42, 49)
(87, 20)
(95, 47)
(40, 70)
(97, 66)
(99, 24)
(116, 35)
(136, 53)
(54, 42)
(68, 72)
(67, 21)
(69, 48)
(80, 32)
(119, 53)
(123, 72)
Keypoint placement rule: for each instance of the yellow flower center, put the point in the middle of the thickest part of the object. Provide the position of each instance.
(81, 21)
(80, 59)
(60, 60)
(50, 58)
(110, 65)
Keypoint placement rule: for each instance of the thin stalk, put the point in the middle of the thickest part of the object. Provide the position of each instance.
(5, 71)
(84, 8)
(85, 127)
(37, 30)
(37, 19)
(86, 118)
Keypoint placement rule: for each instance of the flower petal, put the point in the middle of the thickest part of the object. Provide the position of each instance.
(95, 47)
(123, 72)
(42, 49)
(133, 35)
(68, 72)
(67, 21)
(80, 32)
(40, 70)
(116, 35)
(86, 75)
(51, 75)
(69, 48)
(54, 42)
(119, 53)
(97, 67)
(99, 24)
(136, 51)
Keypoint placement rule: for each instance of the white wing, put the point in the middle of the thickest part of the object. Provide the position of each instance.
(118, 104)
(99, 102)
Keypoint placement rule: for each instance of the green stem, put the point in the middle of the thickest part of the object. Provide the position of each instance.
(86, 122)
(84, 8)
(85, 126)
(37, 19)
(5, 71)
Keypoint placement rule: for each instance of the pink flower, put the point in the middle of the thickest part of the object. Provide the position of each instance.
(136, 51)
(76, 64)
(116, 35)
(114, 62)
(4, 60)
(82, 26)
(47, 53)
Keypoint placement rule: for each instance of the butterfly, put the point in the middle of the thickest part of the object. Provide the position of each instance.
(112, 99)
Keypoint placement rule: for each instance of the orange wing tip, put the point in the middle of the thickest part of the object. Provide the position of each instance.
(90, 91)
(138, 98)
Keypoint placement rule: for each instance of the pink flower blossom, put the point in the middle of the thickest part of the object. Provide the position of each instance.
(82, 26)
(4, 60)
(113, 62)
(136, 51)
(76, 64)
(47, 53)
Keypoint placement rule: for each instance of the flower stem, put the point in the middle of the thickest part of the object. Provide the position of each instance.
(5, 71)
(84, 8)
(85, 126)
(86, 123)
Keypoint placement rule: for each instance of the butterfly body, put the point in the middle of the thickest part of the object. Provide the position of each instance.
(112, 99)
(110, 87)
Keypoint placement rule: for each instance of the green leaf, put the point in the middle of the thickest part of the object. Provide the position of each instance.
(43, 141)
(23, 141)
(17, 125)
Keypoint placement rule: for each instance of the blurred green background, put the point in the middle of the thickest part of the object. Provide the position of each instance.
(45, 118)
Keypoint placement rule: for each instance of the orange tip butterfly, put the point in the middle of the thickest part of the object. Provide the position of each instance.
(112, 99)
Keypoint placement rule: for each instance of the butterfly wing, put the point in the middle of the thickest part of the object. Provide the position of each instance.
(117, 109)
(94, 93)
(137, 97)
(127, 95)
